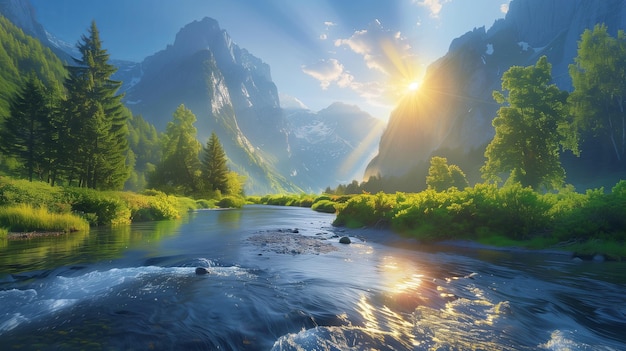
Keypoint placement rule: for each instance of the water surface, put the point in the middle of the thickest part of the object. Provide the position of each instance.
(271, 286)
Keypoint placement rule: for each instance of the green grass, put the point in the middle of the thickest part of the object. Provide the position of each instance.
(535, 243)
(326, 206)
(612, 250)
(26, 218)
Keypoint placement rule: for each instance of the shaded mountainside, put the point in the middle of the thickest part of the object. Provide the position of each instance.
(451, 114)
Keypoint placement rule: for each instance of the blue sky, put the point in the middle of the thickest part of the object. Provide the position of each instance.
(364, 52)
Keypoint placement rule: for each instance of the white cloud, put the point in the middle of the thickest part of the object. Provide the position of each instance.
(327, 72)
(504, 8)
(382, 49)
(323, 36)
(329, 24)
(434, 6)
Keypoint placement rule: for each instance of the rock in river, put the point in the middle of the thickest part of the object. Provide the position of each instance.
(202, 271)
(344, 240)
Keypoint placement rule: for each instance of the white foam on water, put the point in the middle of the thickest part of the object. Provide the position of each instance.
(562, 340)
(53, 294)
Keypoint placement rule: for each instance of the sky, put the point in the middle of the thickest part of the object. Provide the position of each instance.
(366, 53)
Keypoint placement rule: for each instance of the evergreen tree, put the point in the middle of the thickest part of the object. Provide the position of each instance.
(599, 95)
(214, 168)
(531, 127)
(179, 169)
(29, 133)
(95, 126)
(144, 153)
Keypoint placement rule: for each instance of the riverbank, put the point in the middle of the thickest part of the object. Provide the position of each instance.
(33, 235)
(388, 237)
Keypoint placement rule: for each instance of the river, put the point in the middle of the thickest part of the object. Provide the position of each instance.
(280, 280)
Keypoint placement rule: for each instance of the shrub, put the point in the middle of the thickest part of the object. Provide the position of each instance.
(101, 208)
(358, 211)
(15, 192)
(325, 206)
(305, 200)
(182, 204)
(231, 202)
(204, 203)
(257, 200)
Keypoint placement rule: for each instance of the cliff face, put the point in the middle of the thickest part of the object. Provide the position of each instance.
(451, 114)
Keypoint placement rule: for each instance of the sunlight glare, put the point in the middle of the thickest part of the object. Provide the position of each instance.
(413, 86)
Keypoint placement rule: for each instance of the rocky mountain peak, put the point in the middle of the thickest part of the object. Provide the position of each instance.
(205, 34)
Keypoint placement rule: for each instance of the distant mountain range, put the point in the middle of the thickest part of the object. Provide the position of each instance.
(232, 93)
(451, 114)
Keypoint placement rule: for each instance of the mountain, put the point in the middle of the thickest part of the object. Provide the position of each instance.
(22, 14)
(229, 90)
(331, 146)
(20, 56)
(451, 114)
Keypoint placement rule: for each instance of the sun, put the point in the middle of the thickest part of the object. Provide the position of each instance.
(413, 86)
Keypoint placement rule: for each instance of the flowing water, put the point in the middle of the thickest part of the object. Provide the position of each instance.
(271, 286)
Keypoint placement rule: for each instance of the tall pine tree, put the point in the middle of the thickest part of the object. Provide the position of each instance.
(214, 168)
(26, 133)
(95, 131)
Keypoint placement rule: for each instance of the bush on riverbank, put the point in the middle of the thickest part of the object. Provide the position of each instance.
(326, 206)
(295, 200)
(485, 212)
(96, 207)
(231, 202)
(329, 202)
(26, 218)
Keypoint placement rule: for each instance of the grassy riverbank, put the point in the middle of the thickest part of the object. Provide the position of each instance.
(38, 207)
(587, 223)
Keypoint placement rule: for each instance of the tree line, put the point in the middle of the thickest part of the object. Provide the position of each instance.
(537, 122)
(79, 133)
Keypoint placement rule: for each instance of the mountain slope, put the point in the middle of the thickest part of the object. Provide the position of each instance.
(451, 114)
(21, 55)
(229, 91)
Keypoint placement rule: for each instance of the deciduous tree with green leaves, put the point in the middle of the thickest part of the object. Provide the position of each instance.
(532, 127)
(599, 76)
(442, 176)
